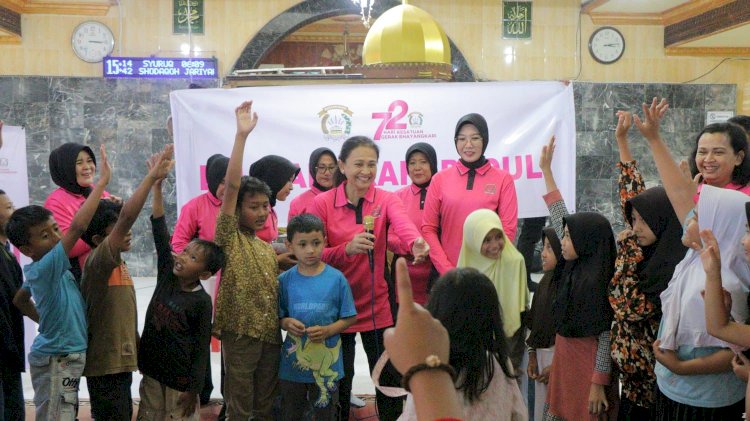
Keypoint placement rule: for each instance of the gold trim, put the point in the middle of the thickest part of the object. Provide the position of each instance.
(10, 40)
(708, 51)
(61, 7)
(614, 18)
(329, 39)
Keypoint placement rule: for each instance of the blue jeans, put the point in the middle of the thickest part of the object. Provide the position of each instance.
(11, 400)
(55, 379)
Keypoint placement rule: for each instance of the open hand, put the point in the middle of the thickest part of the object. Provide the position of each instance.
(105, 175)
(710, 254)
(624, 122)
(246, 118)
(652, 115)
(598, 403)
(161, 163)
(545, 159)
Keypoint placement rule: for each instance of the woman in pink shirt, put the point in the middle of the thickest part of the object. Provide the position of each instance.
(72, 167)
(322, 165)
(198, 216)
(457, 191)
(343, 210)
(421, 163)
(279, 173)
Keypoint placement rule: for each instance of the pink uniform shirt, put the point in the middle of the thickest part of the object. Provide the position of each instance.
(302, 203)
(731, 186)
(64, 205)
(448, 204)
(341, 225)
(419, 274)
(270, 231)
(197, 219)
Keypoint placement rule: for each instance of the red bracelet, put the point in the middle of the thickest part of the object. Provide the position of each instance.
(432, 362)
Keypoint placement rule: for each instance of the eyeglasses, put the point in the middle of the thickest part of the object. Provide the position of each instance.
(322, 169)
(476, 139)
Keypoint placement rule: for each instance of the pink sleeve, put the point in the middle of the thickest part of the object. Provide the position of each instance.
(334, 256)
(401, 224)
(64, 216)
(431, 227)
(186, 227)
(394, 242)
(507, 209)
(294, 208)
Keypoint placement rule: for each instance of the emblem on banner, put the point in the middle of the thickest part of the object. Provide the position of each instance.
(335, 122)
(415, 120)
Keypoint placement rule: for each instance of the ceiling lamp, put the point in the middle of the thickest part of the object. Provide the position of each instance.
(365, 8)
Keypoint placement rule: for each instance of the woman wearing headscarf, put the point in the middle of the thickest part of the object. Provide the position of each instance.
(279, 173)
(486, 248)
(322, 165)
(421, 164)
(473, 183)
(198, 216)
(72, 167)
(579, 384)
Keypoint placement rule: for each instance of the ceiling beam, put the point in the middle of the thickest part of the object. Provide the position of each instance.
(616, 18)
(716, 20)
(10, 21)
(691, 9)
(591, 5)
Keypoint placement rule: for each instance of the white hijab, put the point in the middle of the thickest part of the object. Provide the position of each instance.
(684, 320)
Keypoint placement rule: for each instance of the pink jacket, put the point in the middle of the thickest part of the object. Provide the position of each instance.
(448, 204)
(302, 203)
(270, 231)
(419, 274)
(64, 205)
(197, 219)
(340, 222)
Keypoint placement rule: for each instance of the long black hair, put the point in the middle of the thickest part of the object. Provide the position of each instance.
(466, 303)
(346, 149)
(737, 140)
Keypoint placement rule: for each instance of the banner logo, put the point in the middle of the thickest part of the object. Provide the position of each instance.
(335, 122)
(398, 123)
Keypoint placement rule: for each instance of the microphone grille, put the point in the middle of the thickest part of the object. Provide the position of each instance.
(369, 223)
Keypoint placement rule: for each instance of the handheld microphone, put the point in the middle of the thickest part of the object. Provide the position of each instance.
(369, 224)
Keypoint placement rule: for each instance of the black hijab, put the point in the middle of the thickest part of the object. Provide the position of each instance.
(429, 152)
(313, 162)
(542, 322)
(659, 259)
(216, 169)
(275, 171)
(582, 306)
(62, 167)
(747, 212)
(481, 124)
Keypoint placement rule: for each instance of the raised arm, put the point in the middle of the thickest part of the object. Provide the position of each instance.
(246, 122)
(158, 170)
(553, 198)
(624, 122)
(718, 322)
(680, 190)
(82, 218)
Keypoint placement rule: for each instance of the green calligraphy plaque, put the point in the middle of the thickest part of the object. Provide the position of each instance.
(187, 16)
(516, 19)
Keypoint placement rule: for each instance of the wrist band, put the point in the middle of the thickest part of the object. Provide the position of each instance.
(432, 362)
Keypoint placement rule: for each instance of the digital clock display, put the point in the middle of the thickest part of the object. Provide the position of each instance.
(164, 68)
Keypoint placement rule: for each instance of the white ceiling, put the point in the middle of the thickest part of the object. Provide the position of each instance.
(734, 38)
(638, 6)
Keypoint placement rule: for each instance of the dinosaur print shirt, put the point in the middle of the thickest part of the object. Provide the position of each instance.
(315, 301)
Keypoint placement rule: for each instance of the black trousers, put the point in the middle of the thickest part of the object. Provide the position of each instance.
(531, 233)
(110, 396)
(298, 399)
(389, 409)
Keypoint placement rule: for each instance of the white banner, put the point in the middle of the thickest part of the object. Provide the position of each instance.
(15, 182)
(294, 120)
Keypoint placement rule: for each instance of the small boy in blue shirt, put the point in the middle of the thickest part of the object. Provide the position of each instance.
(315, 305)
(58, 354)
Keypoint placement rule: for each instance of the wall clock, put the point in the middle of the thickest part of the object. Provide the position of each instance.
(92, 41)
(606, 45)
